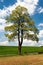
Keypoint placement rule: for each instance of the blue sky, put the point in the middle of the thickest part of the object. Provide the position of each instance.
(35, 9)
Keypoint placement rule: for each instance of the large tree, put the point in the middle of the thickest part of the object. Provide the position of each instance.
(22, 25)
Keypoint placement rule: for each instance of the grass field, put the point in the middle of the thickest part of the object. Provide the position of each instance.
(13, 50)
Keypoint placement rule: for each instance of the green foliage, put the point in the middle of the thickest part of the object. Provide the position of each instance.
(11, 36)
(11, 28)
(21, 22)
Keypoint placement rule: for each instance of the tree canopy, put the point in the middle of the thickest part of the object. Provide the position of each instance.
(22, 25)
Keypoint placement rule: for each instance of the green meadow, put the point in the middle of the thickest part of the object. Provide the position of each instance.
(13, 50)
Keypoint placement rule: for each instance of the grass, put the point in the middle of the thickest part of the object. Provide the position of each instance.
(13, 50)
(8, 50)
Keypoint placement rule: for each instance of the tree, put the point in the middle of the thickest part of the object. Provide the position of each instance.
(22, 25)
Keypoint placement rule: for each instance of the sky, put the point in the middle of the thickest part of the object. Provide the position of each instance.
(35, 9)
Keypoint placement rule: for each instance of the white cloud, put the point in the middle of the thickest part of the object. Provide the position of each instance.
(1, 27)
(2, 21)
(40, 34)
(40, 43)
(2, 24)
(4, 43)
(41, 24)
(29, 4)
(40, 10)
(32, 43)
(25, 43)
(29, 43)
(4, 13)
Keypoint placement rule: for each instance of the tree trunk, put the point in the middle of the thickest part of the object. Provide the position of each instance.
(19, 49)
(20, 42)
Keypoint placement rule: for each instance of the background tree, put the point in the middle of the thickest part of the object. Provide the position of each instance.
(22, 25)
